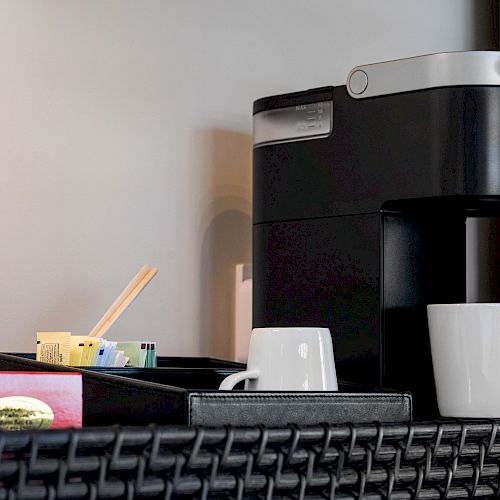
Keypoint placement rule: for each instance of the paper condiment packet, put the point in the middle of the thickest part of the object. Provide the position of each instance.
(53, 347)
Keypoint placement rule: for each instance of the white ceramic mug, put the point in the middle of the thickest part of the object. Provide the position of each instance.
(465, 346)
(288, 359)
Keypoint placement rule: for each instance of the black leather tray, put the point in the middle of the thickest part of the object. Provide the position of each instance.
(163, 362)
(177, 395)
(188, 373)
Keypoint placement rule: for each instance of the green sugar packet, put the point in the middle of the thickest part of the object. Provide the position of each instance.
(136, 351)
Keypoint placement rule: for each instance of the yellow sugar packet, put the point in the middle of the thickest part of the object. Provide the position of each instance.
(96, 345)
(90, 348)
(53, 347)
(76, 343)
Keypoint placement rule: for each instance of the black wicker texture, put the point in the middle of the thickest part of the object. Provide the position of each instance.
(399, 461)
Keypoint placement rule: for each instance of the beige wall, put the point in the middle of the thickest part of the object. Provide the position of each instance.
(125, 138)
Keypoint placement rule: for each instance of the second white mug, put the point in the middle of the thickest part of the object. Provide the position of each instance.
(465, 346)
(288, 359)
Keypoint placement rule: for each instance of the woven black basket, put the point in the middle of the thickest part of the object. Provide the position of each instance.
(399, 461)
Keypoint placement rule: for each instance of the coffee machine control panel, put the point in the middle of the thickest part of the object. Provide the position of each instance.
(293, 123)
(446, 69)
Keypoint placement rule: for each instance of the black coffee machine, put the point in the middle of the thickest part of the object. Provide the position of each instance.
(362, 195)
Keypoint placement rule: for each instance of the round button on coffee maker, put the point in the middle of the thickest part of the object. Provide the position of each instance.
(358, 82)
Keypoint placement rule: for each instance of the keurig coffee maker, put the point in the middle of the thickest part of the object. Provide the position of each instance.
(362, 197)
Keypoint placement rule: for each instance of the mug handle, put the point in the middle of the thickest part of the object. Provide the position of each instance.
(229, 382)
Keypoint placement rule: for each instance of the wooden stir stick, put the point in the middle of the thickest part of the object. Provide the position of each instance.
(129, 293)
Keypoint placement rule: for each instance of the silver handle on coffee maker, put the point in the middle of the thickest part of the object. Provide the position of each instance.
(446, 69)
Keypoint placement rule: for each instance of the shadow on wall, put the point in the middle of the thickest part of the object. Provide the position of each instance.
(227, 236)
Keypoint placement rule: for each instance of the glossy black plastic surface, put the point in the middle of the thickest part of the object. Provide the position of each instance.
(323, 272)
(436, 142)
